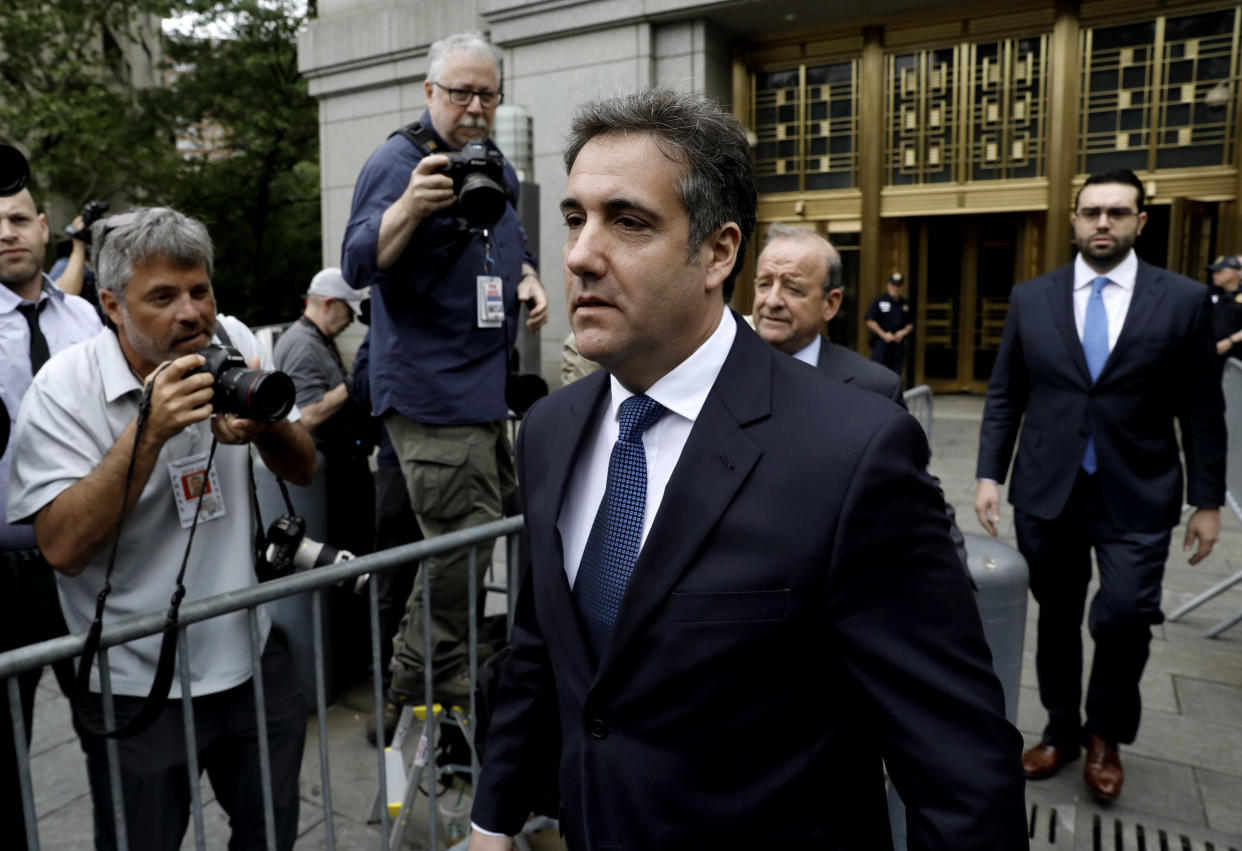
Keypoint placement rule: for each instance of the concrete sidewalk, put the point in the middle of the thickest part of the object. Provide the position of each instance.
(1183, 776)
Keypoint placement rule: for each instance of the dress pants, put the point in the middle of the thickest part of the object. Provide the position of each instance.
(891, 355)
(1126, 606)
(457, 477)
(29, 612)
(154, 774)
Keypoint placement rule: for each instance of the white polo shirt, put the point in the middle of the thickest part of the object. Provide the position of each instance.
(75, 410)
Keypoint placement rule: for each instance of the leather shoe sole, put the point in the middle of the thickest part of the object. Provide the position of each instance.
(1045, 760)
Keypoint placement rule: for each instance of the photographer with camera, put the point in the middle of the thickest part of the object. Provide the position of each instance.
(36, 321)
(133, 419)
(74, 273)
(446, 280)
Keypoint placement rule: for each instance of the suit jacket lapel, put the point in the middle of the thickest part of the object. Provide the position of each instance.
(715, 462)
(553, 587)
(1143, 306)
(1061, 303)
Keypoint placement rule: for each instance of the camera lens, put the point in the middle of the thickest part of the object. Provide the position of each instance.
(255, 394)
(482, 201)
(14, 170)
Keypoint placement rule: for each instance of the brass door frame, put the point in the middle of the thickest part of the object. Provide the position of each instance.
(967, 300)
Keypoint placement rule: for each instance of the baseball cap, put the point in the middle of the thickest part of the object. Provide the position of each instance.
(1225, 261)
(896, 279)
(330, 283)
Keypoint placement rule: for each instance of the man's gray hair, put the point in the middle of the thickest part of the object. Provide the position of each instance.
(835, 279)
(472, 42)
(145, 235)
(692, 130)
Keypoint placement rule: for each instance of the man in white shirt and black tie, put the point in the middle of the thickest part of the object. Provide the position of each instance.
(1096, 362)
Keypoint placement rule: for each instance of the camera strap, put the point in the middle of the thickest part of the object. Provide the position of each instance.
(161, 683)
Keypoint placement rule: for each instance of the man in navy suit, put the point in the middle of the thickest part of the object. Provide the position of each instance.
(740, 595)
(1096, 361)
(799, 288)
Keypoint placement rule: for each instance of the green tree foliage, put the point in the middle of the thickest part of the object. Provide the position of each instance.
(262, 203)
(65, 96)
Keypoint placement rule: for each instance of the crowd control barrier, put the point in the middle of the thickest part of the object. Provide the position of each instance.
(1001, 577)
(1231, 384)
(919, 403)
(34, 656)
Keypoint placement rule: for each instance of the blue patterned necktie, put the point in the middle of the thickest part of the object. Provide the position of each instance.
(612, 547)
(1095, 347)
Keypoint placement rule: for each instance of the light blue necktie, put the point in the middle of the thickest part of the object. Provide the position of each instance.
(616, 535)
(1095, 347)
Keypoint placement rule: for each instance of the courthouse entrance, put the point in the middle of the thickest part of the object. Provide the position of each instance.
(966, 268)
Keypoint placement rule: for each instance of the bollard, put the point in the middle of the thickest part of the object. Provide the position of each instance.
(1002, 578)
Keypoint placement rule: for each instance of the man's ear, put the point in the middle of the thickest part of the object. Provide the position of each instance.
(43, 226)
(721, 252)
(111, 306)
(832, 303)
(1142, 221)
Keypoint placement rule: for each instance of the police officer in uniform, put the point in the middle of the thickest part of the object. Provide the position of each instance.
(1226, 305)
(890, 321)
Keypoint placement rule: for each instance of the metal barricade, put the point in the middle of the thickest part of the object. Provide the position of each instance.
(45, 653)
(1231, 384)
(919, 402)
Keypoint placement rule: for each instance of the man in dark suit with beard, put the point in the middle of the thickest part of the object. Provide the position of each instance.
(798, 288)
(1096, 361)
(740, 594)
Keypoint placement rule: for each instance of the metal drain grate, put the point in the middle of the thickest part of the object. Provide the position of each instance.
(1111, 833)
(1051, 826)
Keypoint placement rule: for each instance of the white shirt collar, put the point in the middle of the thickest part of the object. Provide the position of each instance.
(114, 369)
(9, 300)
(684, 390)
(1123, 274)
(810, 353)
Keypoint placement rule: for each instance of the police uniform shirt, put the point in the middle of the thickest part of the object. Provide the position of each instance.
(891, 314)
(1226, 311)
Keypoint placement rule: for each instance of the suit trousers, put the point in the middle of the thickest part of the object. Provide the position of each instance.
(29, 612)
(1126, 606)
(155, 776)
(457, 477)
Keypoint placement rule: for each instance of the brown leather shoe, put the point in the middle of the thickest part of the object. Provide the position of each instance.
(1045, 760)
(392, 714)
(1102, 770)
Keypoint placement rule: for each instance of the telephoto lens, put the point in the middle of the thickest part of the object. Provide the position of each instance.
(14, 170)
(255, 394)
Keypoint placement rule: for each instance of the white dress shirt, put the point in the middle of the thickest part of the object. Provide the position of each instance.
(810, 352)
(1117, 293)
(683, 392)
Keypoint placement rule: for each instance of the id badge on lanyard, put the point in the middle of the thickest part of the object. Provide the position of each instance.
(489, 290)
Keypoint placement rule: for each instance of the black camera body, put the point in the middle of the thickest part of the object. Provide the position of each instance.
(14, 171)
(90, 214)
(478, 175)
(255, 394)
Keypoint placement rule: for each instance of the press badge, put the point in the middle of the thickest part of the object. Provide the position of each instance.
(491, 302)
(190, 478)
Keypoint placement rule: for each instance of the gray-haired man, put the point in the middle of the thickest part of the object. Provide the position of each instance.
(76, 436)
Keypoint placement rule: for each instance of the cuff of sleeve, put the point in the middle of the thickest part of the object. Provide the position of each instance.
(485, 831)
(989, 481)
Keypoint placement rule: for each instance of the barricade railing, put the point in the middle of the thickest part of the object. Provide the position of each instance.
(33, 656)
(919, 402)
(1231, 385)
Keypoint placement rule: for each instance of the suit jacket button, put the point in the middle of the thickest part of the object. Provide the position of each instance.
(599, 729)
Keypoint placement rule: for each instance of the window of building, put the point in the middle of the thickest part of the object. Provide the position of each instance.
(806, 120)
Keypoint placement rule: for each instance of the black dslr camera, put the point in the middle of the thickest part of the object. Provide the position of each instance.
(287, 549)
(479, 182)
(14, 171)
(251, 393)
(90, 214)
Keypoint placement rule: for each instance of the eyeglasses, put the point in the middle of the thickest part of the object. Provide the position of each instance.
(111, 223)
(462, 97)
(1114, 214)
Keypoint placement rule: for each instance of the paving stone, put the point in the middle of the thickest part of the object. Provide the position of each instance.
(1222, 799)
(1209, 701)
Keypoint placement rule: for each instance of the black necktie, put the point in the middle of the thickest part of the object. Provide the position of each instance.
(39, 352)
